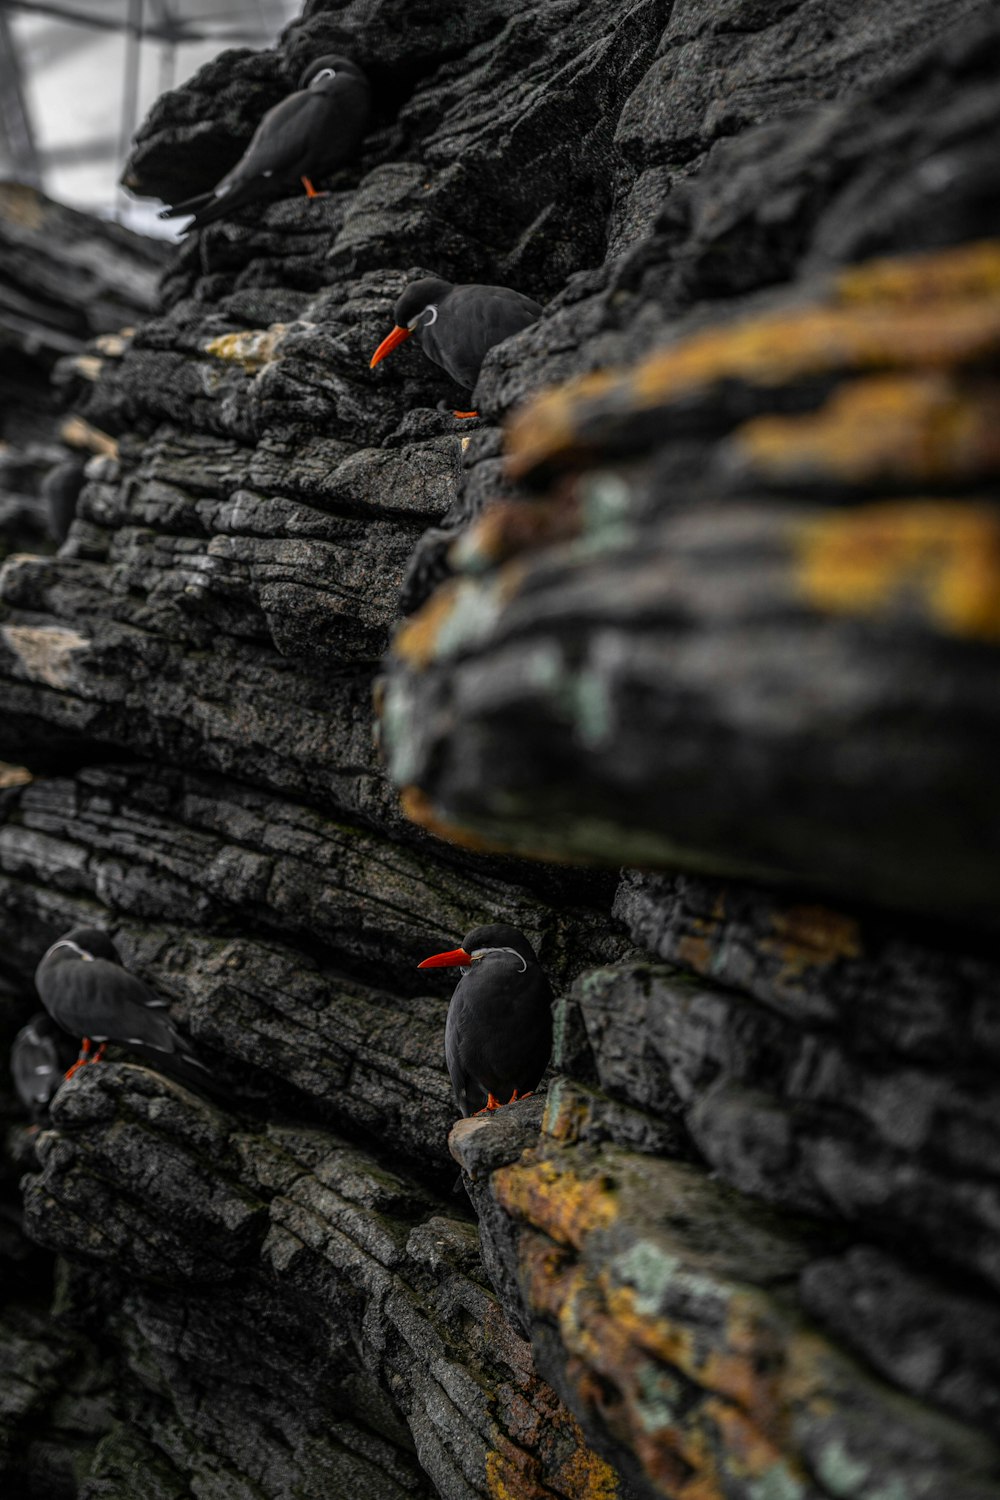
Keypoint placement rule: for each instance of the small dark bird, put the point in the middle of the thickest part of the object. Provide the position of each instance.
(457, 325)
(306, 136)
(61, 490)
(39, 1057)
(85, 990)
(498, 1036)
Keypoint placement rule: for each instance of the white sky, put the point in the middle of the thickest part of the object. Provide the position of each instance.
(75, 80)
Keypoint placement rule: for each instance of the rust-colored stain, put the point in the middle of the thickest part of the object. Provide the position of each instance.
(566, 1114)
(512, 1474)
(21, 205)
(963, 271)
(619, 1363)
(807, 937)
(940, 558)
(416, 639)
(878, 320)
(568, 1207)
(418, 807)
(919, 428)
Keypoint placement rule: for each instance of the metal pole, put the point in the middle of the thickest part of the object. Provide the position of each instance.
(15, 117)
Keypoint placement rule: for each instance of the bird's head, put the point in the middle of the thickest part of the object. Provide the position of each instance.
(93, 940)
(324, 70)
(416, 308)
(480, 941)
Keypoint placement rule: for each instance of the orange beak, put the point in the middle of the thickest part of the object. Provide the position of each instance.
(452, 960)
(391, 341)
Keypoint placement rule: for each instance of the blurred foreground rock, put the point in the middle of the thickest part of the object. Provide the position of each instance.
(720, 608)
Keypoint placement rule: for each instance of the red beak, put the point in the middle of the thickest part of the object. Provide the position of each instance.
(391, 341)
(447, 960)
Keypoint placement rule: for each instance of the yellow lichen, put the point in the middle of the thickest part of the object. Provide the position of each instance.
(940, 558)
(568, 1207)
(961, 271)
(879, 322)
(922, 427)
(252, 348)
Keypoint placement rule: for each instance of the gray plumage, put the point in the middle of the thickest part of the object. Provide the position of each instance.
(458, 325)
(81, 983)
(39, 1057)
(498, 1035)
(310, 134)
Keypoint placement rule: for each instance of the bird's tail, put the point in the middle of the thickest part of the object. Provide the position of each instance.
(189, 206)
(208, 208)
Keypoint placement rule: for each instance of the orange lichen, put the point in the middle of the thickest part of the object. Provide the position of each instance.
(803, 937)
(418, 807)
(514, 1475)
(566, 1113)
(416, 639)
(922, 427)
(962, 271)
(879, 322)
(566, 1205)
(938, 557)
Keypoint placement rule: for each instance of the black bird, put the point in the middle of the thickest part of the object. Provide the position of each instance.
(498, 1035)
(39, 1057)
(457, 325)
(85, 990)
(306, 136)
(61, 489)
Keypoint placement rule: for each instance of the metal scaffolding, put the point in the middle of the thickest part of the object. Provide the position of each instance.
(61, 140)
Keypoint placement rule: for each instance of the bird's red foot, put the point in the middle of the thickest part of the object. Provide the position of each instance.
(312, 192)
(83, 1059)
(515, 1096)
(465, 414)
(85, 1056)
(490, 1105)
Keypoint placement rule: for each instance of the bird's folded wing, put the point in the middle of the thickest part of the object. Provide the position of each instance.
(280, 141)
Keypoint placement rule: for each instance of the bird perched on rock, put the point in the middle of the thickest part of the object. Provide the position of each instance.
(306, 136)
(457, 325)
(39, 1057)
(61, 489)
(81, 983)
(498, 1035)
